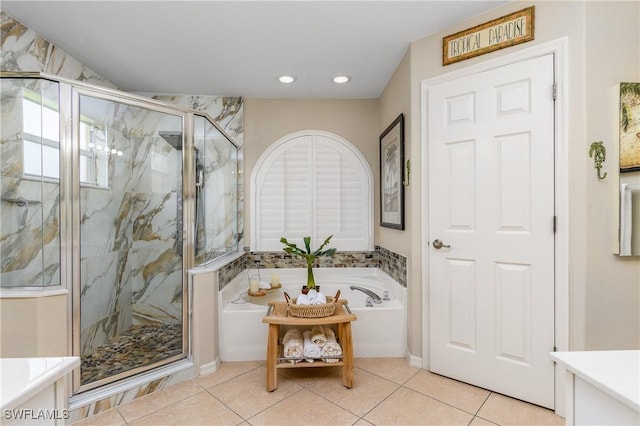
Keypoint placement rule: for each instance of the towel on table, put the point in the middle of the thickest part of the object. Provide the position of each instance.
(315, 297)
(293, 345)
(312, 295)
(302, 299)
(311, 350)
(331, 347)
(317, 336)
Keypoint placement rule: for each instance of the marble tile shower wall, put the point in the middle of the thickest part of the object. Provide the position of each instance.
(25, 50)
(124, 275)
(31, 260)
(220, 209)
(390, 262)
(228, 114)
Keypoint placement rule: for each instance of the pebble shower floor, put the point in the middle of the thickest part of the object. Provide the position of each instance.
(139, 345)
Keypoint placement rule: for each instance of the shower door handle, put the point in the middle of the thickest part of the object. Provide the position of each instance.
(437, 244)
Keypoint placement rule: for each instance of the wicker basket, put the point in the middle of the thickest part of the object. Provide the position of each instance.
(311, 311)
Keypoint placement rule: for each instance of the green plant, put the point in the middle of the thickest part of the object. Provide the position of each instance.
(629, 95)
(308, 255)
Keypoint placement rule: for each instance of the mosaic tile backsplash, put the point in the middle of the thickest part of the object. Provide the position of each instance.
(390, 262)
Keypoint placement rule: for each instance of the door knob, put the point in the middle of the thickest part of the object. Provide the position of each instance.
(437, 244)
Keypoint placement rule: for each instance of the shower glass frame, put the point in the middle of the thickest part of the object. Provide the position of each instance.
(69, 228)
(187, 230)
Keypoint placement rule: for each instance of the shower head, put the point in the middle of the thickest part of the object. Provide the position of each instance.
(173, 138)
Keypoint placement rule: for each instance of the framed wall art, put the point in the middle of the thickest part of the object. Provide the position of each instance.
(629, 127)
(392, 175)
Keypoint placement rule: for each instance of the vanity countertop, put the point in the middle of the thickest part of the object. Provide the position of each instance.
(22, 378)
(617, 373)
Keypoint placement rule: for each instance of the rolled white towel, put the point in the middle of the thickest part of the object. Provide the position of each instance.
(311, 350)
(320, 299)
(312, 295)
(331, 347)
(317, 336)
(293, 344)
(302, 299)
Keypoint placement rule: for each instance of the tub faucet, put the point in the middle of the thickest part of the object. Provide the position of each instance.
(375, 297)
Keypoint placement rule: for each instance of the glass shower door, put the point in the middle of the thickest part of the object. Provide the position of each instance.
(132, 286)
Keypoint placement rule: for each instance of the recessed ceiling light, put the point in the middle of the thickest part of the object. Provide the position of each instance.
(286, 79)
(341, 79)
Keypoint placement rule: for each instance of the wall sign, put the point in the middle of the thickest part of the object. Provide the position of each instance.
(508, 30)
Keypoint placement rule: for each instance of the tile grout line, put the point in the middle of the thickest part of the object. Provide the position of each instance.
(237, 376)
(230, 378)
(444, 402)
(273, 405)
(339, 406)
(195, 382)
(120, 414)
(482, 405)
(399, 386)
(380, 403)
(483, 402)
(385, 378)
(167, 406)
(225, 405)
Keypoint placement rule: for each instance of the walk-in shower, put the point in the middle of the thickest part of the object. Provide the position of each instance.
(122, 195)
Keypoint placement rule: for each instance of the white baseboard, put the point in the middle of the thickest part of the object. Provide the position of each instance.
(414, 361)
(209, 368)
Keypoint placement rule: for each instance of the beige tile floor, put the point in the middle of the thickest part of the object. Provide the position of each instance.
(387, 391)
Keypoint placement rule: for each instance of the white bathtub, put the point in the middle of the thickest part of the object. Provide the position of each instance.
(379, 331)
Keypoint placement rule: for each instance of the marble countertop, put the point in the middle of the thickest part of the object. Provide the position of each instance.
(617, 373)
(22, 378)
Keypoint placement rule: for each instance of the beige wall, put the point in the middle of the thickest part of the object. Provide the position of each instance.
(267, 120)
(604, 297)
(396, 99)
(204, 322)
(33, 326)
(612, 285)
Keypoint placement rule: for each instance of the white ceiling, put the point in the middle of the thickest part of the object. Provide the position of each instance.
(239, 48)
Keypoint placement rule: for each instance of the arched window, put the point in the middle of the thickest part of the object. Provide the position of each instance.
(312, 183)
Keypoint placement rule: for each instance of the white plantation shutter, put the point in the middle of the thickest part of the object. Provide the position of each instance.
(312, 183)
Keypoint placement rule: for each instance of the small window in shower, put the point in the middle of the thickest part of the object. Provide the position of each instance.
(41, 136)
(41, 143)
(94, 154)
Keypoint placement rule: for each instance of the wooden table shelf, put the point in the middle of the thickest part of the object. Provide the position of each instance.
(278, 315)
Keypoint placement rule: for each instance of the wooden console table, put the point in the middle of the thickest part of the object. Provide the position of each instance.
(278, 315)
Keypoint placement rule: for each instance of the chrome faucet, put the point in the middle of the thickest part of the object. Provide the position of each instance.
(375, 297)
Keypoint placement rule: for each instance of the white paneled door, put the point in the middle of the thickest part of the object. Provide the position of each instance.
(491, 227)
